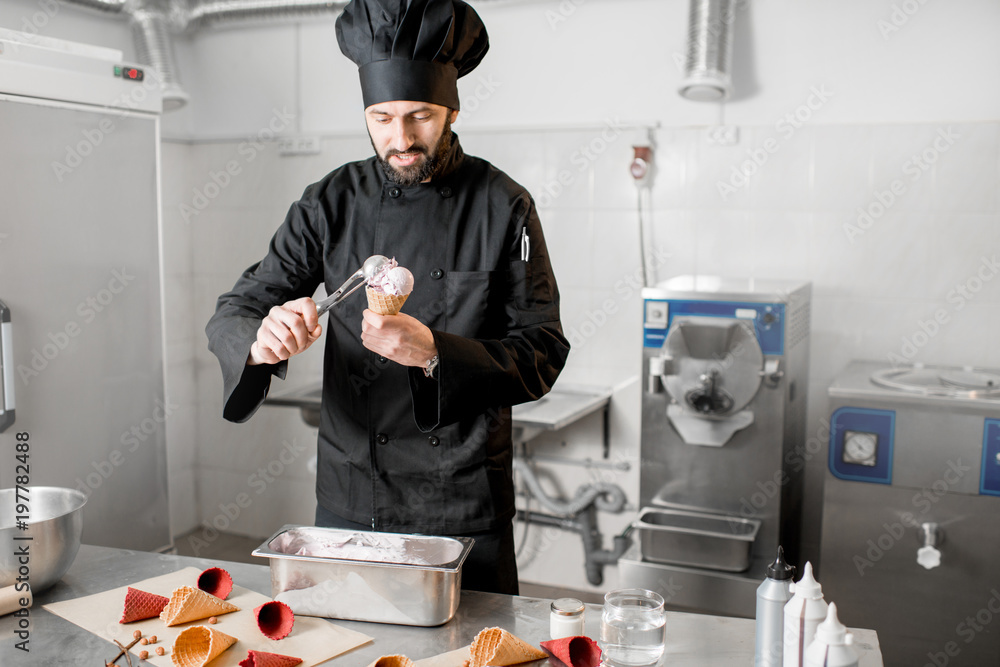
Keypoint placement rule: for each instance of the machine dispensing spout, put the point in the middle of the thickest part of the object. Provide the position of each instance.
(709, 398)
(931, 536)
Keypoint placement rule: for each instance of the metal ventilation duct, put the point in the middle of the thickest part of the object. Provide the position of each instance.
(709, 51)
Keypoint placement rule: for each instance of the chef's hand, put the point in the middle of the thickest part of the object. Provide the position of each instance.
(401, 338)
(287, 330)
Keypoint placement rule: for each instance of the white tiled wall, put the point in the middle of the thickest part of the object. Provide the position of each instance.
(566, 69)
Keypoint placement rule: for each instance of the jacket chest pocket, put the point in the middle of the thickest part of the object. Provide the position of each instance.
(475, 303)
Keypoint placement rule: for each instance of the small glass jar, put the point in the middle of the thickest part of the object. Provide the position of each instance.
(566, 618)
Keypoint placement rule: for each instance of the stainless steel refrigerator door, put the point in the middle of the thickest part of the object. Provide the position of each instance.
(80, 273)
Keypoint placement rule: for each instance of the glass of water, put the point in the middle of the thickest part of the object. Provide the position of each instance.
(632, 628)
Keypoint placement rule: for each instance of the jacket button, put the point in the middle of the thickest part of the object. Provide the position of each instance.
(445, 192)
(433, 440)
(381, 438)
(437, 274)
(395, 192)
(383, 360)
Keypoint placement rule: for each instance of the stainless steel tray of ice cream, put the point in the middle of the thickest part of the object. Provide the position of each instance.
(366, 576)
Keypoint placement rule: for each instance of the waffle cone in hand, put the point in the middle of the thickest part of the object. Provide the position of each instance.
(385, 304)
(496, 646)
(392, 661)
(198, 646)
(190, 604)
(263, 659)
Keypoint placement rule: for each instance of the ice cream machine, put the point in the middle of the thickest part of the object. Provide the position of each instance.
(725, 368)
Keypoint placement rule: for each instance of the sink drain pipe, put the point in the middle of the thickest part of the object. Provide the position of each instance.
(579, 515)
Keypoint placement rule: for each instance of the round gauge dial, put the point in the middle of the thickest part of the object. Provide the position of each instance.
(860, 448)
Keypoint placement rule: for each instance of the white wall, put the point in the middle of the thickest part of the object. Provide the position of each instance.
(558, 75)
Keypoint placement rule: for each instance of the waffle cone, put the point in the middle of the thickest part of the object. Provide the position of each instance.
(385, 304)
(496, 646)
(275, 619)
(140, 605)
(574, 651)
(216, 581)
(263, 659)
(197, 646)
(190, 604)
(392, 661)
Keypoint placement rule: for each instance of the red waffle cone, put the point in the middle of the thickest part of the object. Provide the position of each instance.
(275, 619)
(140, 605)
(262, 659)
(216, 581)
(574, 651)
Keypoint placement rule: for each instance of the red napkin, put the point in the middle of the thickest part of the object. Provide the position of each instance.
(573, 652)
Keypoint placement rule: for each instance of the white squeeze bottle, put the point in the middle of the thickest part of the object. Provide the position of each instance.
(803, 614)
(833, 644)
(772, 595)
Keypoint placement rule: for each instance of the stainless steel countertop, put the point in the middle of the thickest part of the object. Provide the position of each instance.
(692, 639)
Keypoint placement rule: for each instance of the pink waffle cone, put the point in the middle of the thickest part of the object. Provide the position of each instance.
(216, 581)
(573, 651)
(199, 645)
(263, 659)
(275, 619)
(140, 605)
(496, 646)
(385, 304)
(392, 661)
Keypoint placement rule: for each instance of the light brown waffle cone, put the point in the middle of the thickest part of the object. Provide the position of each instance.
(191, 604)
(392, 661)
(199, 645)
(385, 304)
(496, 646)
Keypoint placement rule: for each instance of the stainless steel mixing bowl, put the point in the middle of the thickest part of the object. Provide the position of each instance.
(55, 524)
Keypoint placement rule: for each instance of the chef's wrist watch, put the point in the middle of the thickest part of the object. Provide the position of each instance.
(431, 369)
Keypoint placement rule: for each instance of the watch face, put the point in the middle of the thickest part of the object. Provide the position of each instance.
(860, 448)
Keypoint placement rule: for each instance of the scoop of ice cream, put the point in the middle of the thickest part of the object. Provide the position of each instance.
(392, 279)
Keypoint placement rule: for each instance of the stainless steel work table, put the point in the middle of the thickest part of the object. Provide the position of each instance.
(692, 640)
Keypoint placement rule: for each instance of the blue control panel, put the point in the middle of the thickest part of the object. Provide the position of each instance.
(768, 320)
(861, 443)
(989, 481)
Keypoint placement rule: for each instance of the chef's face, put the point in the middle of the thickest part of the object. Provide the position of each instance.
(410, 138)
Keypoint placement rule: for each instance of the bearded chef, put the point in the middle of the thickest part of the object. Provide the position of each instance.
(415, 433)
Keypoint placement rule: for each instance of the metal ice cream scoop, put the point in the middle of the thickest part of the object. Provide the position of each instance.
(367, 271)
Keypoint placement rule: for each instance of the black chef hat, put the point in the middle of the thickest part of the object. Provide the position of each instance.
(412, 49)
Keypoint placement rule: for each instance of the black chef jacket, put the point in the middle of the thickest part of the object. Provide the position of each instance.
(399, 451)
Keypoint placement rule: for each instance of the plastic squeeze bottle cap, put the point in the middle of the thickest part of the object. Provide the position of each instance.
(807, 586)
(831, 631)
(779, 569)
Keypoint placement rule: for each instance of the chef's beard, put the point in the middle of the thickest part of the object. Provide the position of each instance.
(426, 167)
